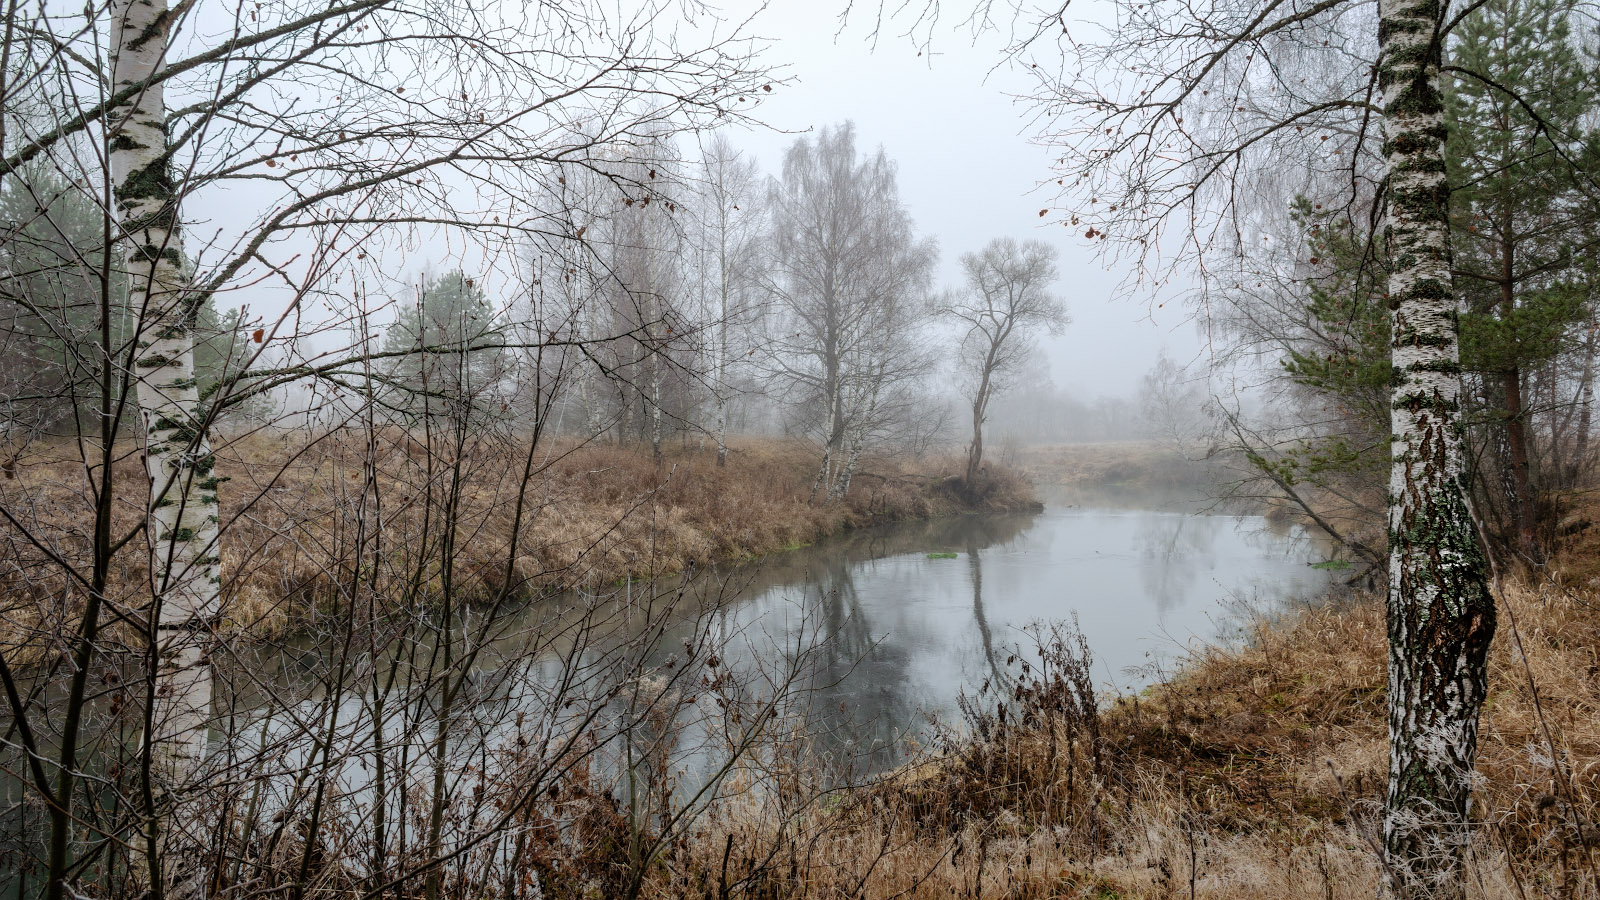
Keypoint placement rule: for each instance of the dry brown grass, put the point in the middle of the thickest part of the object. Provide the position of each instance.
(1577, 529)
(1146, 465)
(592, 515)
(1256, 772)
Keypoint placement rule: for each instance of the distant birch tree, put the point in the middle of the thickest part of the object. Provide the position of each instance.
(1006, 300)
(849, 282)
(729, 209)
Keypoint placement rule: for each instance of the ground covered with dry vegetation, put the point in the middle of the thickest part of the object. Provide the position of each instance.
(1254, 772)
(1130, 465)
(297, 515)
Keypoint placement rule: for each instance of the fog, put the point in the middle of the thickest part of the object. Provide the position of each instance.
(412, 413)
(949, 113)
(955, 120)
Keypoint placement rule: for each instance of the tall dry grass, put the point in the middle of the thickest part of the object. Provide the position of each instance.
(1253, 772)
(594, 514)
(1131, 465)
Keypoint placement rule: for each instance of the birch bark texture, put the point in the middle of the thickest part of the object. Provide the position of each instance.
(1441, 615)
(182, 525)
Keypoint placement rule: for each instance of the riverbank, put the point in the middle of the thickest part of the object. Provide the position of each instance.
(1253, 772)
(1132, 466)
(311, 525)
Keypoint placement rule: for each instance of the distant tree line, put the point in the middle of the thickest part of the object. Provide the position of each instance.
(710, 299)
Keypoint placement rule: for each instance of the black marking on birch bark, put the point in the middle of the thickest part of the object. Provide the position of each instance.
(1440, 614)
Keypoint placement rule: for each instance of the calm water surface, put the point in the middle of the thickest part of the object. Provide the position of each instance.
(915, 614)
(913, 627)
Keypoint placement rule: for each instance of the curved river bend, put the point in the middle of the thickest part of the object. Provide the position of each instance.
(915, 614)
(920, 612)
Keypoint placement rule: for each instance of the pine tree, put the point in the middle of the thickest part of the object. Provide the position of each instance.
(53, 275)
(450, 360)
(1514, 113)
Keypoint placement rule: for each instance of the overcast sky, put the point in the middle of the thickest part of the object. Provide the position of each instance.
(968, 170)
(967, 165)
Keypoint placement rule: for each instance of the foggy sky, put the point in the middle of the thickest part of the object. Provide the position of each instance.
(968, 170)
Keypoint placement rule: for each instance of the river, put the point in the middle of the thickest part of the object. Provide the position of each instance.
(920, 612)
(895, 624)
(898, 621)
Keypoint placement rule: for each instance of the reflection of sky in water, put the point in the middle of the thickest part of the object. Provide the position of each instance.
(910, 633)
(1144, 585)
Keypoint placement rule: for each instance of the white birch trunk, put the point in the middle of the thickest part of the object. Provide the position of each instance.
(593, 395)
(824, 480)
(183, 520)
(1440, 612)
(721, 379)
(856, 437)
(655, 377)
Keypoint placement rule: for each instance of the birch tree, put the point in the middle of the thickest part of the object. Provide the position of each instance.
(184, 514)
(1005, 301)
(638, 253)
(848, 281)
(1441, 614)
(347, 134)
(1167, 127)
(730, 212)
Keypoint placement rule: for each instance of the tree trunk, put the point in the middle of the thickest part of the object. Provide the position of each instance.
(183, 520)
(975, 451)
(1440, 612)
(1521, 501)
(980, 402)
(655, 407)
(722, 363)
(653, 310)
(833, 446)
(1580, 448)
(848, 472)
(722, 432)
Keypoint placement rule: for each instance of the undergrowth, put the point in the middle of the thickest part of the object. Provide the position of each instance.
(592, 515)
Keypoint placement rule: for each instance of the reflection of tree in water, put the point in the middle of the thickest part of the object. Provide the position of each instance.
(996, 673)
(982, 534)
(866, 695)
(863, 696)
(1177, 551)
